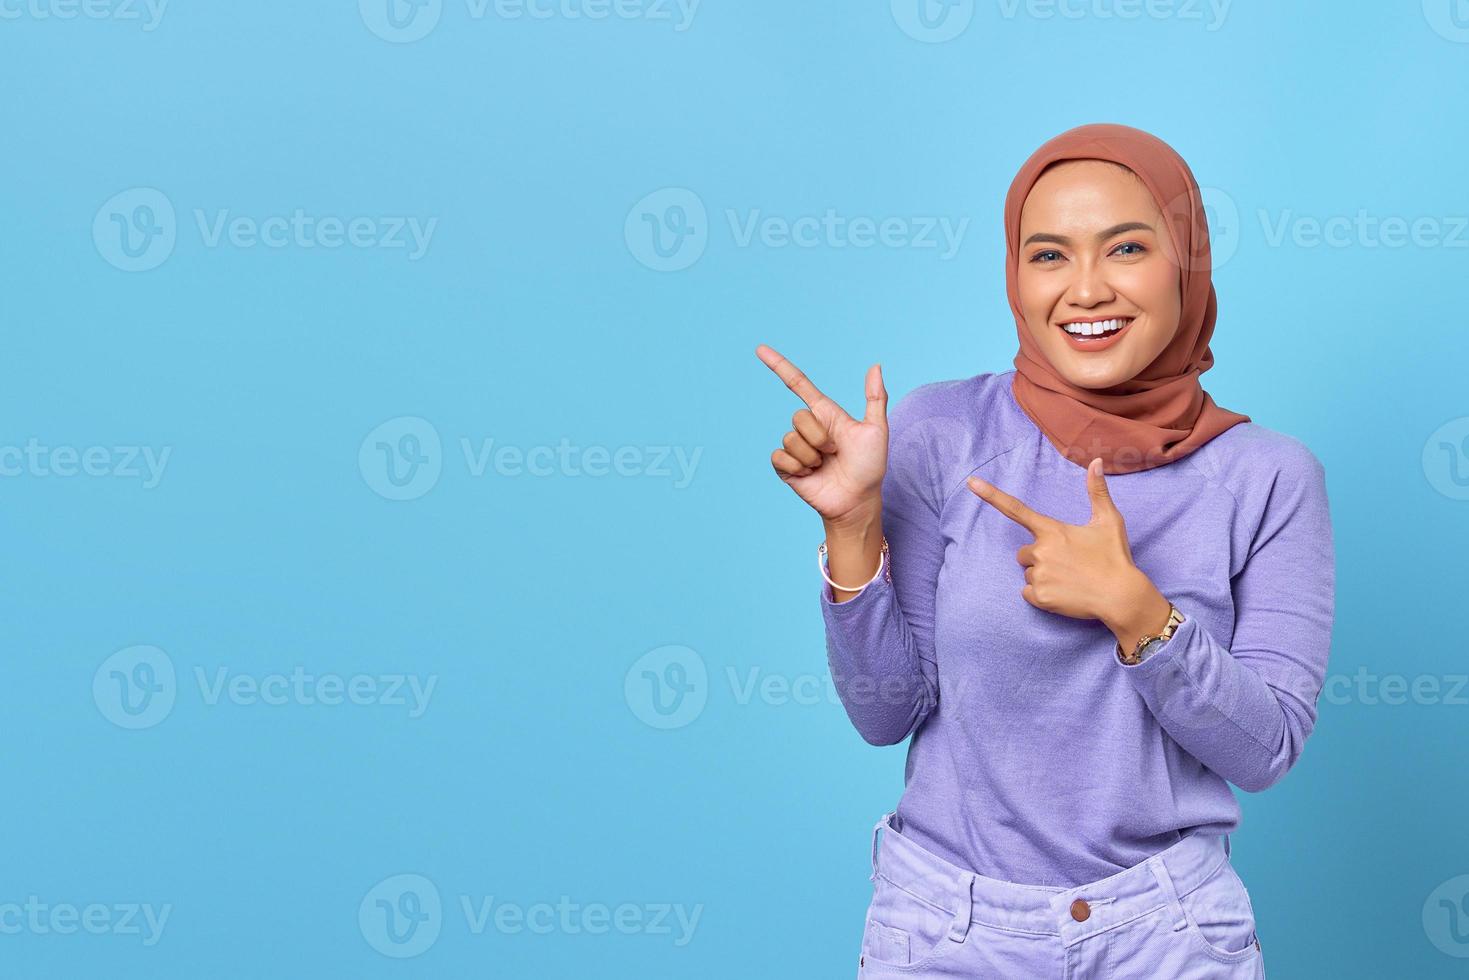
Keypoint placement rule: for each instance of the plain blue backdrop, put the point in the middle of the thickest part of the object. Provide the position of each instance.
(269, 461)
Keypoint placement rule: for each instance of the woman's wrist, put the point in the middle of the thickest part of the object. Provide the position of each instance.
(1140, 611)
(854, 546)
(858, 524)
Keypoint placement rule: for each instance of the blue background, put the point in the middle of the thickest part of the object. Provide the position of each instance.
(534, 317)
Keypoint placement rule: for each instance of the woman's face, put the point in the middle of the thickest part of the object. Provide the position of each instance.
(1093, 247)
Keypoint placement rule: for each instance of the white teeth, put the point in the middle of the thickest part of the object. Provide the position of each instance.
(1094, 329)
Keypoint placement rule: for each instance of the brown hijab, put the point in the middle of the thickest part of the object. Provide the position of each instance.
(1163, 414)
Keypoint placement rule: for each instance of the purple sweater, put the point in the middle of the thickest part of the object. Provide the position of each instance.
(1037, 757)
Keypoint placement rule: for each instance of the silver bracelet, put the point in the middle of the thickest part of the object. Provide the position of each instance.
(821, 566)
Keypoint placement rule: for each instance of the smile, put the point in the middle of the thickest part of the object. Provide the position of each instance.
(1094, 335)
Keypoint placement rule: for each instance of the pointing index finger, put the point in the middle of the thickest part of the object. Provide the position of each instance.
(1008, 505)
(792, 376)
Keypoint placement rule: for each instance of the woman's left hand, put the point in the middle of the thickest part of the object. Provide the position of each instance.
(1084, 571)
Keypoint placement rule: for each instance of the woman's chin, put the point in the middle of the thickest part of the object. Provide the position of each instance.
(1103, 369)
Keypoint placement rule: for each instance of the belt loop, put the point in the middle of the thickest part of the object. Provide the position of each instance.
(1165, 882)
(875, 828)
(959, 928)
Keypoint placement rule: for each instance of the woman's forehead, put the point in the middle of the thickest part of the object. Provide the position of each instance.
(1083, 194)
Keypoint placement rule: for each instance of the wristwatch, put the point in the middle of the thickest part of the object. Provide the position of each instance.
(1137, 656)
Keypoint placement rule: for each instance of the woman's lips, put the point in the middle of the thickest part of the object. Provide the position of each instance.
(1093, 344)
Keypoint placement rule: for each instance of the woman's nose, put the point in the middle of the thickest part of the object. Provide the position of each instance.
(1090, 286)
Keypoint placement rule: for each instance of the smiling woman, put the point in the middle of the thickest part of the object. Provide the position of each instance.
(1092, 597)
(1080, 289)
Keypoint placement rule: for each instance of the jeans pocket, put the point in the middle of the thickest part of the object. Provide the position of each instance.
(1220, 916)
(886, 944)
(904, 929)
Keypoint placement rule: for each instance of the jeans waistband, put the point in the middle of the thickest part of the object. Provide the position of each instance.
(1156, 883)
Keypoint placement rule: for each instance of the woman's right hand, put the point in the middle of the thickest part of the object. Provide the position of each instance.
(832, 461)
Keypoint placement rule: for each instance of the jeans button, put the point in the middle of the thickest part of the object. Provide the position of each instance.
(1080, 911)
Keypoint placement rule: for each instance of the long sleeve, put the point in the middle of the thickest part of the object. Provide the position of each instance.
(880, 644)
(1245, 711)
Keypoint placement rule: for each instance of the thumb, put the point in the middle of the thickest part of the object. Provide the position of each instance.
(877, 397)
(1103, 506)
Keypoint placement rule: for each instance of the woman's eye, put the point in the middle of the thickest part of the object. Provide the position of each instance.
(1135, 245)
(1040, 257)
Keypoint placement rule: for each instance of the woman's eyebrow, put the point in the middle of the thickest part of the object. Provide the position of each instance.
(1043, 236)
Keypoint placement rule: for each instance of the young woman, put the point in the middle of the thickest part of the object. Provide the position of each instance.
(1092, 596)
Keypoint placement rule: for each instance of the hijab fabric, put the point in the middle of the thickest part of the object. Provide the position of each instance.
(1163, 414)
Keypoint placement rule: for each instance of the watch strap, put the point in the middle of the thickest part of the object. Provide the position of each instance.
(1149, 644)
